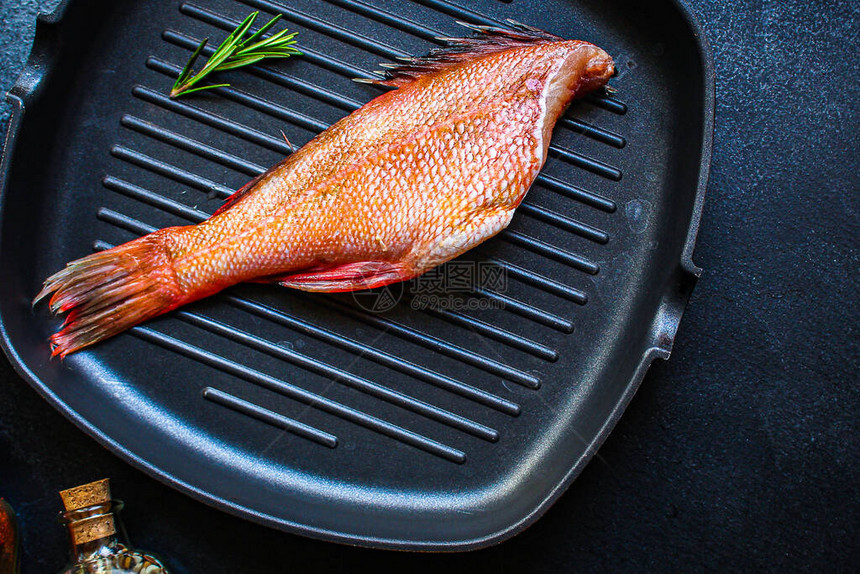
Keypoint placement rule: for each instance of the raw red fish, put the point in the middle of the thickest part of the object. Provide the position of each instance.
(412, 179)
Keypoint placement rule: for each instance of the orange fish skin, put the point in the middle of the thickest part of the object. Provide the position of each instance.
(414, 178)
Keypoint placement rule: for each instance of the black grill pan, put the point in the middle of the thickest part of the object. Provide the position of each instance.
(434, 429)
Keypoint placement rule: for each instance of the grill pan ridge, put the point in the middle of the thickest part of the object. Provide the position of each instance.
(417, 429)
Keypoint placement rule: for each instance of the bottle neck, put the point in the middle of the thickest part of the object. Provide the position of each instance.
(94, 549)
(93, 530)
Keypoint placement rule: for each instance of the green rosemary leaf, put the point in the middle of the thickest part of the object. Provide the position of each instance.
(229, 45)
(265, 54)
(278, 41)
(186, 71)
(234, 52)
(259, 33)
(239, 63)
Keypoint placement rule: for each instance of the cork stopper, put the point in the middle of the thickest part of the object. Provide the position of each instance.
(86, 495)
(86, 529)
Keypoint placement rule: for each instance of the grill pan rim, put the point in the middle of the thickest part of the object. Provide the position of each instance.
(26, 90)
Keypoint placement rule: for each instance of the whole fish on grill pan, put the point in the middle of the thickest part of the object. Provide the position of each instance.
(414, 178)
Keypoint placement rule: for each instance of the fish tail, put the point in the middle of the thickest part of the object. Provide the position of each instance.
(106, 293)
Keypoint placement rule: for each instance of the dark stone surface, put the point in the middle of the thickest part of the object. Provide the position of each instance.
(740, 453)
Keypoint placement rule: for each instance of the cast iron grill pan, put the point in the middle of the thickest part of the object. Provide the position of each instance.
(336, 416)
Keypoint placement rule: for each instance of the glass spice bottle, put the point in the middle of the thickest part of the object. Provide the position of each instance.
(8, 540)
(97, 538)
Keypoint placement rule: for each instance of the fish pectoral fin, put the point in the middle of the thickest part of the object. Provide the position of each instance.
(347, 277)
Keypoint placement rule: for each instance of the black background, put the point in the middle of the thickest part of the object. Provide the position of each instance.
(740, 453)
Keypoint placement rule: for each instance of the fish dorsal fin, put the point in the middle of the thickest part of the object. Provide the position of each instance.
(489, 41)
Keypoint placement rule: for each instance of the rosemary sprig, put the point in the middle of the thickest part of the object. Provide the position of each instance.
(234, 52)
